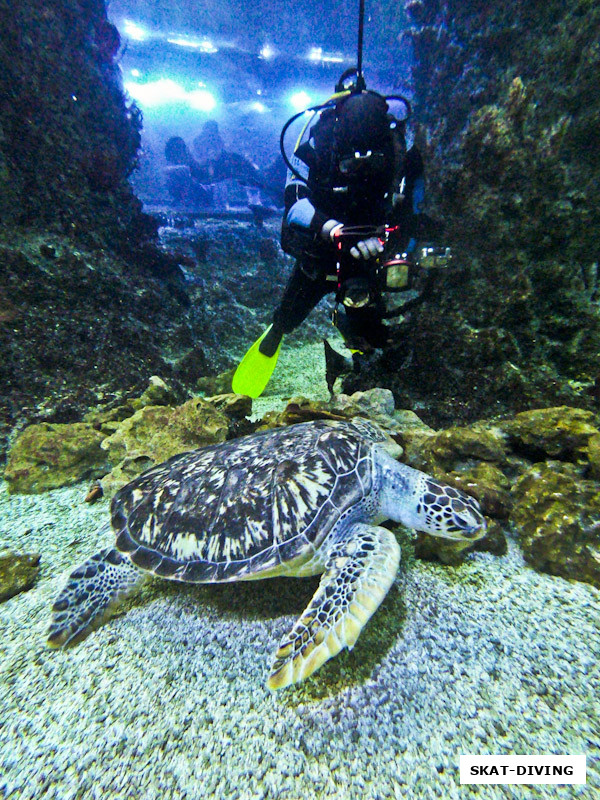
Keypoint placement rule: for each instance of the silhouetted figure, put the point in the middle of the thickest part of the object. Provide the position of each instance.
(183, 175)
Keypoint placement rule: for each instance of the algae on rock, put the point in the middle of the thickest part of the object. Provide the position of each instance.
(18, 573)
(49, 455)
(160, 432)
(557, 518)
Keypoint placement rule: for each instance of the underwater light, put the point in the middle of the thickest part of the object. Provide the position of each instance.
(134, 31)
(201, 100)
(300, 100)
(204, 45)
(317, 54)
(181, 42)
(267, 52)
(156, 93)
(165, 90)
(258, 106)
(135, 72)
(208, 47)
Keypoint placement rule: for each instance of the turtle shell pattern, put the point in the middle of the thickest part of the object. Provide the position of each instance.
(245, 506)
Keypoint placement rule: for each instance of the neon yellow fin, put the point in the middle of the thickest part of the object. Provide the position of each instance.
(254, 370)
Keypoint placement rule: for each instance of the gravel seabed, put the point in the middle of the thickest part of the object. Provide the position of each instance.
(300, 371)
(169, 701)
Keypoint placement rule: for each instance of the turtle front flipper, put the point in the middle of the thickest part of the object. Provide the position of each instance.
(91, 592)
(360, 569)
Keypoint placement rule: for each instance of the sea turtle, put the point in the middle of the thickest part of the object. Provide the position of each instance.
(297, 501)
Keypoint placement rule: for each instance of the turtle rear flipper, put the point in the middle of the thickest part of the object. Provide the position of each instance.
(360, 569)
(91, 592)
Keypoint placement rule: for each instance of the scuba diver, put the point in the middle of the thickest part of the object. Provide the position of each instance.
(353, 188)
(353, 192)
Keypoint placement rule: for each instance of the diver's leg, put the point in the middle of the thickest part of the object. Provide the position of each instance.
(300, 296)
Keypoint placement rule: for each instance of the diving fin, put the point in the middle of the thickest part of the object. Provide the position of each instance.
(255, 369)
(335, 365)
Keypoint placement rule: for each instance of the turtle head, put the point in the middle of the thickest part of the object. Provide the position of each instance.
(418, 501)
(442, 510)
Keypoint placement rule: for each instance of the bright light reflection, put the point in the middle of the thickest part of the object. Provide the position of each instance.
(165, 90)
(317, 54)
(258, 106)
(134, 31)
(208, 47)
(267, 52)
(300, 100)
(204, 46)
(156, 93)
(135, 72)
(201, 100)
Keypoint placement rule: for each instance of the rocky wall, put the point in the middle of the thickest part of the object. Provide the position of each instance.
(91, 303)
(68, 136)
(508, 117)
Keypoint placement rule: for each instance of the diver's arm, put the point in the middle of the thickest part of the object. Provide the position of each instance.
(304, 227)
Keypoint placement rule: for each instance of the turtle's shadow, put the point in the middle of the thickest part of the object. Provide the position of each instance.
(255, 600)
(276, 597)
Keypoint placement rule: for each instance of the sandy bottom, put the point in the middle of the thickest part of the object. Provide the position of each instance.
(300, 370)
(169, 701)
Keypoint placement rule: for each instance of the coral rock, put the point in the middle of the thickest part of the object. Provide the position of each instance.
(450, 447)
(18, 573)
(561, 432)
(557, 518)
(156, 433)
(50, 455)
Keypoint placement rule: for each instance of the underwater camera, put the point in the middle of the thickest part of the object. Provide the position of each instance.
(399, 273)
(429, 256)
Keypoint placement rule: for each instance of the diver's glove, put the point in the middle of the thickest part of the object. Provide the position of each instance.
(367, 248)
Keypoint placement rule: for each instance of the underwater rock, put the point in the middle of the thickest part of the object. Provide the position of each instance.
(593, 454)
(158, 393)
(160, 432)
(556, 515)
(506, 118)
(301, 409)
(488, 484)
(560, 432)
(108, 421)
(124, 472)
(376, 404)
(111, 328)
(235, 406)
(409, 422)
(373, 402)
(8, 311)
(49, 455)
(18, 573)
(448, 448)
(156, 433)
(213, 385)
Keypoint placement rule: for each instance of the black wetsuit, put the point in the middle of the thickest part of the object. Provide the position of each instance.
(327, 194)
